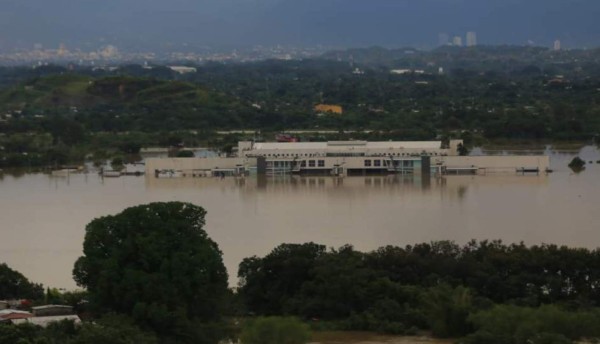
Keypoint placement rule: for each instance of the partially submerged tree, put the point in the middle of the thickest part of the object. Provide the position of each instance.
(577, 164)
(462, 150)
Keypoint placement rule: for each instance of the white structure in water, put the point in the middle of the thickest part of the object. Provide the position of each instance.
(345, 158)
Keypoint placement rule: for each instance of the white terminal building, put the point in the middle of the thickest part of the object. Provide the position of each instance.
(344, 157)
(341, 158)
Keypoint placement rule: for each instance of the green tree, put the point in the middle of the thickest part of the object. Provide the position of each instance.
(156, 263)
(13, 285)
(275, 330)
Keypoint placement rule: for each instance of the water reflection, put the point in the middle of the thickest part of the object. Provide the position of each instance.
(455, 187)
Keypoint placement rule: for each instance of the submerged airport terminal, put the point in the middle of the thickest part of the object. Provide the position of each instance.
(345, 158)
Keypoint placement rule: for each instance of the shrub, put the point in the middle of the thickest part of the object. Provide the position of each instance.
(544, 325)
(577, 164)
(275, 330)
(117, 163)
(185, 154)
(550, 338)
(485, 337)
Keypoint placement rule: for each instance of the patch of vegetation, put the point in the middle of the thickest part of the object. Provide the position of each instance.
(548, 324)
(577, 164)
(275, 330)
(185, 154)
(110, 329)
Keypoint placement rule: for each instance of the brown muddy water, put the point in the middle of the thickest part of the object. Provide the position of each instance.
(42, 218)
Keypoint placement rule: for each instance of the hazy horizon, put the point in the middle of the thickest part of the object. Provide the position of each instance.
(177, 24)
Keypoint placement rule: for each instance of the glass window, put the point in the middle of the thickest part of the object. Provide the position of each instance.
(367, 163)
(321, 163)
(311, 163)
(303, 163)
(377, 163)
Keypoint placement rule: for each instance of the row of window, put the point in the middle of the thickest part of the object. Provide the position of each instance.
(292, 155)
(367, 163)
(410, 154)
(313, 163)
(378, 163)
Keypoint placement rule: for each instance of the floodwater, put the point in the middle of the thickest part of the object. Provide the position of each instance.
(42, 218)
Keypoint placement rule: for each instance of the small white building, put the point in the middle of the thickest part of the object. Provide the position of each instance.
(45, 321)
(183, 69)
(50, 310)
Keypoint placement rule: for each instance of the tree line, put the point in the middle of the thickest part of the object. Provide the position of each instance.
(440, 286)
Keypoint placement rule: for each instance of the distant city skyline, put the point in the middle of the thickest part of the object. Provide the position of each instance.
(180, 25)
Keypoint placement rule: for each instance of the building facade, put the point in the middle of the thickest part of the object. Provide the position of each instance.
(471, 39)
(342, 158)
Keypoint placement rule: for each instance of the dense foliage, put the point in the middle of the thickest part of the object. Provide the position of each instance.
(433, 286)
(507, 324)
(275, 330)
(111, 329)
(156, 264)
(13, 285)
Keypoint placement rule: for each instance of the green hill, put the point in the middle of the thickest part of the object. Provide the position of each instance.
(135, 103)
(78, 90)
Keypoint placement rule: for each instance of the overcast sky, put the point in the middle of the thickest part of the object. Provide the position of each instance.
(169, 24)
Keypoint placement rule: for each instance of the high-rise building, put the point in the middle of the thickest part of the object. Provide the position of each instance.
(62, 49)
(457, 41)
(557, 45)
(443, 39)
(471, 39)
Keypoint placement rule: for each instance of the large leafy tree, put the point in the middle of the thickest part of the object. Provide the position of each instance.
(156, 264)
